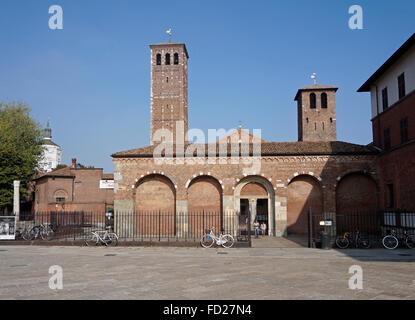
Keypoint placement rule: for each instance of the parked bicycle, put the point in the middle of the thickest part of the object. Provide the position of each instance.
(224, 240)
(43, 230)
(110, 239)
(391, 241)
(356, 240)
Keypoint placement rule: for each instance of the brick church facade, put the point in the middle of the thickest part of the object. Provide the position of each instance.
(278, 185)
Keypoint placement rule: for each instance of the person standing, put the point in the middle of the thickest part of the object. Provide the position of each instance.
(263, 228)
(256, 228)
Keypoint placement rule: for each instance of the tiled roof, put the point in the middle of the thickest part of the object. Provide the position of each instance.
(108, 176)
(63, 172)
(49, 142)
(315, 87)
(270, 149)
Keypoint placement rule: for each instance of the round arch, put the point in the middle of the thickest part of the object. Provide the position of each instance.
(304, 193)
(271, 199)
(155, 205)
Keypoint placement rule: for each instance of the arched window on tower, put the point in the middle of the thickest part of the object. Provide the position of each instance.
(167, 59)
(324, 100)
(158, 58)
(176, 58)
(312, 101)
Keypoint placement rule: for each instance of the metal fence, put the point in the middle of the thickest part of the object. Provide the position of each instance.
(141, 226)
(372, 225)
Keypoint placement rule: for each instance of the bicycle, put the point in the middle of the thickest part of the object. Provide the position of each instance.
(224, 240)
(43, 230)
(391, 241)
(347, 240)
(110, 239)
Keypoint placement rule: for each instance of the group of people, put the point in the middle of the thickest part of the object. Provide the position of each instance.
(258, 226)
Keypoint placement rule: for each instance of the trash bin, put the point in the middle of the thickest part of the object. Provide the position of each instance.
(325, 240)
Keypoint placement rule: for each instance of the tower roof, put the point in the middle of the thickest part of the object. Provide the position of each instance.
(171, 44)
(313, 88)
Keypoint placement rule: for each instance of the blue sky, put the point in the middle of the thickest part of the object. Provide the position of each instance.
(247, 60)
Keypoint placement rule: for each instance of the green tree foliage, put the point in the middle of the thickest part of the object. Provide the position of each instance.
(20, 149)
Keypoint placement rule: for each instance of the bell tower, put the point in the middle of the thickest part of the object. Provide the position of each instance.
(316, 113)
(169, 90)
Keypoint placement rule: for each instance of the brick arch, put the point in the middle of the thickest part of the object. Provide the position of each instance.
(304, 192)
(356, 191)
(155, 205)
(60, 193)
(205, 203)
(267, 185)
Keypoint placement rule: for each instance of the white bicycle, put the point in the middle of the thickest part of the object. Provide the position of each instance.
(224, 240)
(110, 239)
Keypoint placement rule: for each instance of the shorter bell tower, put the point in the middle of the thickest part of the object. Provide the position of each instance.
(316, 113)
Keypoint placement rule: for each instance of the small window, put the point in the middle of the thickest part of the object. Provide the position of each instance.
(385, 98)
(60, 199)
(387, 138)
(324, 100)
(401, 86)
(158, 58)
(323, 125)
(390, 196)
(312, 101)
(404, 130)
(331, 120)
(176, 58)
(167, 79)
(167, 59)
(307, 120)
(315, 125)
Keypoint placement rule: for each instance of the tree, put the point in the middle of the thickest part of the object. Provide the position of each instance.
(20, 149)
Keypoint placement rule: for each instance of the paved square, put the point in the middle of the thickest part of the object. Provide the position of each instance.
(196, 273)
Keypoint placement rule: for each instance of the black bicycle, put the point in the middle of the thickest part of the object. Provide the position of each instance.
(391, 241)
(45, 231)
(357, 241)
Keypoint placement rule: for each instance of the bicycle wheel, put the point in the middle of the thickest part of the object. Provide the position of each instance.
(47, 233)
(365, 243)
(27, 235)
(342, 242)
(229, 241)
(91, 240)
(111, 240)
(390, 242)
(410, 242)
(207, 241)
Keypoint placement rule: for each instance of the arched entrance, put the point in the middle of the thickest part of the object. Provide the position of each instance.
(155, 205)
(356, 203)
(204, 195)
(304, 193)
(254, 197)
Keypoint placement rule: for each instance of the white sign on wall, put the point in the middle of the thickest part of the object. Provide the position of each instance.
(106, 184)
(7, 228)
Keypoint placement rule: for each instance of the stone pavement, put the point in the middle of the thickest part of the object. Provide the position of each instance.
(196, 273)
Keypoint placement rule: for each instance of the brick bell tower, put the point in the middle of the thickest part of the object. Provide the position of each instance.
(169, 89)
(316, 113)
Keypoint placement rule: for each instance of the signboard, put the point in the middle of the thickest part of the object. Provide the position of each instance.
(7, 228)
(326, 223)
(106, 184)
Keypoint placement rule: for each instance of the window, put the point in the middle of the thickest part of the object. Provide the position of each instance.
(60, 199)
(404, 130)
(323, 125)
(387, 139)
(401, 85)
(167, 59)
(390, 196)
(158, 58)
(385, 98)
(312, 101)
(176, 58)
(324, 100)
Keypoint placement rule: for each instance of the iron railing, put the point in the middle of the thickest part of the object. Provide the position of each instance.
(140, 226)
